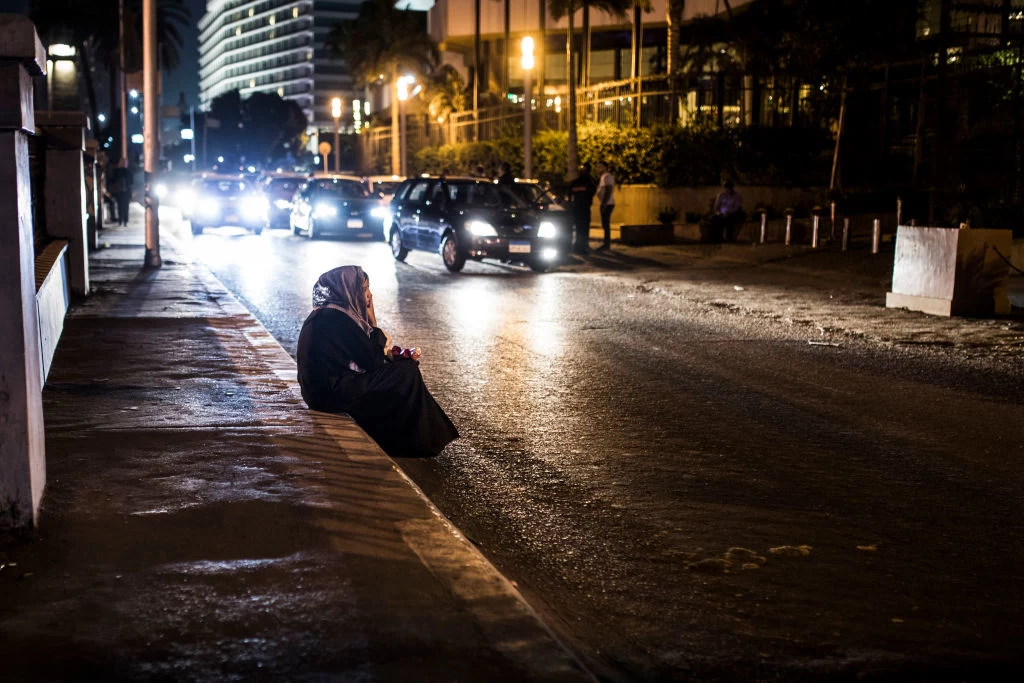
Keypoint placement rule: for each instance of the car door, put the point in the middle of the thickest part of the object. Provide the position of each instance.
(432, 221)
(412, 212)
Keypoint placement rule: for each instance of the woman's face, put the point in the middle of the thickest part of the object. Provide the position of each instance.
(367, 294)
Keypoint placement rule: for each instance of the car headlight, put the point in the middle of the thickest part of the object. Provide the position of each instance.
(208, 205)
(186, 198)
(283, 204)
(547, 229)
(256, 207)
(161, 190)
(482, 229)
(324, 210)
(379, 212)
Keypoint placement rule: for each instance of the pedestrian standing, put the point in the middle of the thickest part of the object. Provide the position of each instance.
(582, 190)
(505, 176)
(121, 188)
(606, 201)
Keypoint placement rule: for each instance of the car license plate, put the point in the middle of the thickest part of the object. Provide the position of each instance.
(355, 222)
(518, 247)
(231, 217)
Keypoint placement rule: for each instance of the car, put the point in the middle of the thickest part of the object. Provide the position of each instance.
(534, 194)
(169, 187)
(472, 218)
(383, 186)
(279, 189)
(336, 204)
(219, 200)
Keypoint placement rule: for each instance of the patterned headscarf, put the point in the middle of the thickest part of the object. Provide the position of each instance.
(342, 289)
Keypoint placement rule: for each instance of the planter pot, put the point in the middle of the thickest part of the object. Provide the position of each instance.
(945, 271)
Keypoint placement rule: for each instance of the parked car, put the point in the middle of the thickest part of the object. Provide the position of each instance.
(463, 218)
(338, 204)
(219, 200)
(280, 189)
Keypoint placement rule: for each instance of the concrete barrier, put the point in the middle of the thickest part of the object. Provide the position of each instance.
(22, 439)
(945, 271)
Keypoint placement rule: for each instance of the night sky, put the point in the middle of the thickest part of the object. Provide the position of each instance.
(186, 77)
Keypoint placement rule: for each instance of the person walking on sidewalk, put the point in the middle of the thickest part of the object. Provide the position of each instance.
(346, 364)
(606, 201)
(582, 190)
(121, 188)
(727, 215)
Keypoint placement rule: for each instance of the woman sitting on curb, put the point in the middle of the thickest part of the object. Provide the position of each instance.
(347, 365)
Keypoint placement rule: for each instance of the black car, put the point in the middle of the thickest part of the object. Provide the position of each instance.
(225, 200)
(336, 204)
(465, 218)
(279, 191)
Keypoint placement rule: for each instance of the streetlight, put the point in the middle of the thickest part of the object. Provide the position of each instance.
(527, 63)
(403, 94)
(336, 115)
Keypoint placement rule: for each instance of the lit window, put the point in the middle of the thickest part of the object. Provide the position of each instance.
(280, 92)
(295, 12)
(273, 19)
(238, 31)
(252, 11)
(252, 82)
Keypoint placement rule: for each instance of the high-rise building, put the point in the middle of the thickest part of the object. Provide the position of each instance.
(276, 46)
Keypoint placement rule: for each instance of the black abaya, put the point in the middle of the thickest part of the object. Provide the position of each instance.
(342, 370)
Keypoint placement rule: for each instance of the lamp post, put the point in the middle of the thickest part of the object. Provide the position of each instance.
(151, 131)
(527, 63)
(336, 115)
(403, 94)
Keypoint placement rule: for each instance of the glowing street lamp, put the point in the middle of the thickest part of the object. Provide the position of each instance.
(527, 63)
(336, 115)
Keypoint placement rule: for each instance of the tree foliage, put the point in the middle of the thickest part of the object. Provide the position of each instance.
(383, 41)
(261, 128)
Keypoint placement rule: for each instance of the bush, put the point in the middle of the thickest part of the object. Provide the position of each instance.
(668, 215)
(663, 155)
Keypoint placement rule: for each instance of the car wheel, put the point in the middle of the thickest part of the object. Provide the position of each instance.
(196, 228)
(454, 258)
(398, 250)
(539, 266)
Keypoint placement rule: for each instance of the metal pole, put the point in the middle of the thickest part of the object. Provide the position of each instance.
(789, 228)
(124, 82)
(337, 145)
(876, 235)
(151, 148)
(814, 233)
(846, 234)
(192, 125)
(764, 227)
(899, 211)
(527, 126)
(402, 125)
(832, 230)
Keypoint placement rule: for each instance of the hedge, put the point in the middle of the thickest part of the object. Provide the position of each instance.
(663, 155)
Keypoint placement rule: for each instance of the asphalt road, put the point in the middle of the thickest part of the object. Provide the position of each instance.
(687, 494)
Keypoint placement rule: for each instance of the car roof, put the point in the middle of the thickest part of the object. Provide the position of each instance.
(385, 178)
(336, 176)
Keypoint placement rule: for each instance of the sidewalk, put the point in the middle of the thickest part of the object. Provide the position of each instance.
(199, 523)
(826, 295)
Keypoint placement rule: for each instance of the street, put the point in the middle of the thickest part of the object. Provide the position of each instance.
(686, 494)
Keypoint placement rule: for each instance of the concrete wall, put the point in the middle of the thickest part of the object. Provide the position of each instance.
(640, 204)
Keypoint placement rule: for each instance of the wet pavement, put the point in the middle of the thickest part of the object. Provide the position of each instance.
(200, 524)
(710, 462)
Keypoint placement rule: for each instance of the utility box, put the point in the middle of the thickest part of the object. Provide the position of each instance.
(945, 271)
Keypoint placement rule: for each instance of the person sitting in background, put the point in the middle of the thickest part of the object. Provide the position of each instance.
(346, 364)
(727, 214)
(505, 176)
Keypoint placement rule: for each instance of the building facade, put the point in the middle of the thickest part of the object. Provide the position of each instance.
(276, 46)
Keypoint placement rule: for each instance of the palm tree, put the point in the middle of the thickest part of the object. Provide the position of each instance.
(568, 8)
(445, 93)
(92, 27)
(674, 17)
(381, 44)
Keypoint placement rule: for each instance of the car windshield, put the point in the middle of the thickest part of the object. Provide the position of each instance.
(385, 188)
(533, 194)
(347, 189)
(483, 195)
(283, 186)
(224, 188)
